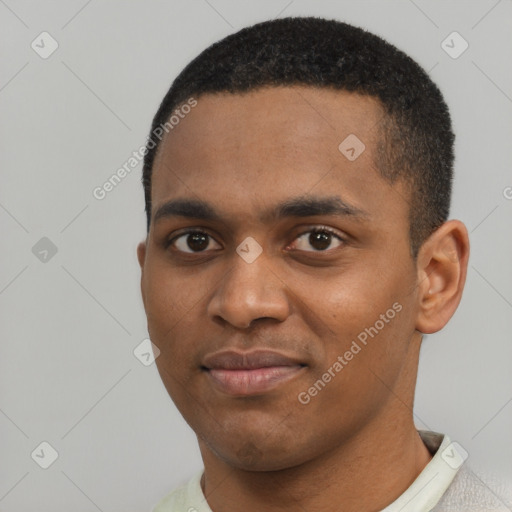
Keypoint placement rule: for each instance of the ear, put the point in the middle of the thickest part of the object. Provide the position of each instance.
(442, 267)
(141, 256)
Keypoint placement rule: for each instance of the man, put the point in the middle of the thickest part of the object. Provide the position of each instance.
(297, 184)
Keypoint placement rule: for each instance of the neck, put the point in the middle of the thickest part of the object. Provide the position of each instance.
(368, 473)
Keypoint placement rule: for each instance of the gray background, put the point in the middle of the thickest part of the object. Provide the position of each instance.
(68, 375)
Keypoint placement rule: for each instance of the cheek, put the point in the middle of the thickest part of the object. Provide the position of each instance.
(364, 321)
(360, 368)
(169, 296)
(347, 303)
(173, 307)
(356, 296)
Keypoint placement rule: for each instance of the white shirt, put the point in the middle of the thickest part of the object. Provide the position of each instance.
(429, 492)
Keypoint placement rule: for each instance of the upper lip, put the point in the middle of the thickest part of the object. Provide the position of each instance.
(233, 360)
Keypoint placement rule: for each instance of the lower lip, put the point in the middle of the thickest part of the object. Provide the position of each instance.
(251, 382)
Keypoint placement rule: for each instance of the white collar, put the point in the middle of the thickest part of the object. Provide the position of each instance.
(430, 485)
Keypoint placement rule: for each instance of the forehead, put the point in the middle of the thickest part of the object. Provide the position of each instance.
(249, 151)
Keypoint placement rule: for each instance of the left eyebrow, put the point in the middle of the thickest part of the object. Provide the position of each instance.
(307, 206)
(310, 206)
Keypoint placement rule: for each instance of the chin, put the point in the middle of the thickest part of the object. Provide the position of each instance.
(250, 458)
(257, 452)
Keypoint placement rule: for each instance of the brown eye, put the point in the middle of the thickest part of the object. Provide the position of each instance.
(192, 241)
(319, 240)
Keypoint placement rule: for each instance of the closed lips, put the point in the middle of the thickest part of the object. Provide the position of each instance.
(250, 373)
(231, 360)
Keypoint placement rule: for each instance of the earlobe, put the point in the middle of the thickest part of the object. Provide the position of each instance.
(442, 266)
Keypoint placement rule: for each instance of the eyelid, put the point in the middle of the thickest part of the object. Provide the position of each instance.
(308, 229)
(319, 228)
(188, 231)
(322, 228)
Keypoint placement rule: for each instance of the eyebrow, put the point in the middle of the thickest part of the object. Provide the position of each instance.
(307, 206)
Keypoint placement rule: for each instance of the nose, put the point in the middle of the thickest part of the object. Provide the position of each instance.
(248, 292)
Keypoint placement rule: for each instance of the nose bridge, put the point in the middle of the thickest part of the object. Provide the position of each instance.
(249, 290)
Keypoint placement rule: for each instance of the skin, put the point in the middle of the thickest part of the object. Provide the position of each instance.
(244, 154)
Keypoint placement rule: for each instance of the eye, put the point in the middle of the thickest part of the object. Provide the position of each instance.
(315, 240)
(192, 241)
(320, 239)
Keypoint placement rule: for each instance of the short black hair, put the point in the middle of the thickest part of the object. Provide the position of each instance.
(416, 132)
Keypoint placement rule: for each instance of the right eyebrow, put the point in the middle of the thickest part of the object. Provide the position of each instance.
(188, 208)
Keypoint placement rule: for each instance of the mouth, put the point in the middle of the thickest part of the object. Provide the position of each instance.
(250, 373)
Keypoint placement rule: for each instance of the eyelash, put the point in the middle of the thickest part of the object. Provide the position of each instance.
(318, 229)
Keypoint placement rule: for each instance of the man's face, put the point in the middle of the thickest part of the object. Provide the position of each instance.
(307, 296)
